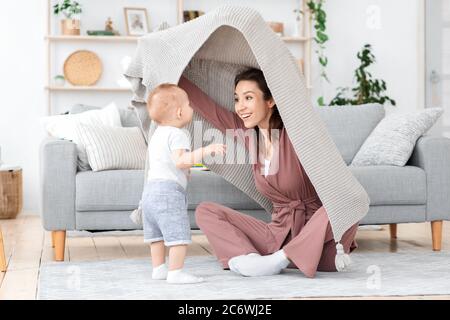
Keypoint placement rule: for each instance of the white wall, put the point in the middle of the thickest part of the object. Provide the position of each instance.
(393, 28)
(22, 89)
(22, 61)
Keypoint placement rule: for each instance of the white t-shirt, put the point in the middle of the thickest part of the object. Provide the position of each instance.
(266, 167)
(164, 141)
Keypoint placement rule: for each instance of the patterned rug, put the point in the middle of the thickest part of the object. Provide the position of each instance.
(372, 274)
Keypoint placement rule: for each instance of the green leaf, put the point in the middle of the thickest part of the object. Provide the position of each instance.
(322, 36)
(321, 101)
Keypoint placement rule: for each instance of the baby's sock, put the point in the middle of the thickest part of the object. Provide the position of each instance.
(180, 277)
(160, 272)
(254, 265)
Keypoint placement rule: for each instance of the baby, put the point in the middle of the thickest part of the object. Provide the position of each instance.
(164, 201)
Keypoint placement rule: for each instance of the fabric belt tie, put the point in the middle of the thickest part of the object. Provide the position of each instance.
(292, 207)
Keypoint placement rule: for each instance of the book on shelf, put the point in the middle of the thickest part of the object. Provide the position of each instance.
(101, 33)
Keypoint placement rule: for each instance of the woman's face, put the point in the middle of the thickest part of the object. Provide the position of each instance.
(250, 105)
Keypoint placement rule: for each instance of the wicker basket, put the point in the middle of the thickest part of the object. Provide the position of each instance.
(83, 68)
(11, 195)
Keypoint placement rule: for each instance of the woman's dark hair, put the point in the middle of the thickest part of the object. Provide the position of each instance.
(257, 76)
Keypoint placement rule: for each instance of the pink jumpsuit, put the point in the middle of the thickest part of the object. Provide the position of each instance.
(299, 223)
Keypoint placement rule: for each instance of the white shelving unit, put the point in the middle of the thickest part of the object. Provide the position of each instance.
(92, 38)
(305, 43)
(134, 39)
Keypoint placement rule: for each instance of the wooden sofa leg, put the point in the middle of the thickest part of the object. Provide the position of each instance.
(436, 234)
(59, 238)
(393, 230)
(2, 254)
(53, 239)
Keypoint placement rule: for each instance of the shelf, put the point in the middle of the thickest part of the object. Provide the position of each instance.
(93, 38)
(295, 39)
(86, 88)
(53, 42)
(134, 39)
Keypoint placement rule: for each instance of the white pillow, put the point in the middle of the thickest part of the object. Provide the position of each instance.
(113, 147)
(393, 139)
(63, 126)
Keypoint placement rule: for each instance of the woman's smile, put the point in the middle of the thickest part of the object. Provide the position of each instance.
(245, 116)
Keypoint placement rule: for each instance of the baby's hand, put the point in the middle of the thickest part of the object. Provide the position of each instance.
(216, 149)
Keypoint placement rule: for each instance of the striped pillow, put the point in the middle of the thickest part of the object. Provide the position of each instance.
(110, 147)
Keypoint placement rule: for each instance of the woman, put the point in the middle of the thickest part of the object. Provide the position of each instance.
(299, 234)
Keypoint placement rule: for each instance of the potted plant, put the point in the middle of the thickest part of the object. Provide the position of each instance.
(71, 11)
(368, 90)
(59, 80)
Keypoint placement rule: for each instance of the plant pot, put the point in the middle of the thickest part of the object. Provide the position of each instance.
(60, 81)
(70, 27)
(277, 27)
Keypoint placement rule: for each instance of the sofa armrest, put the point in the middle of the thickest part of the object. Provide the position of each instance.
(432, 154)
(58, 168)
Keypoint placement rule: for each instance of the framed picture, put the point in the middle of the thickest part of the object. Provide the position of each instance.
(137, 22)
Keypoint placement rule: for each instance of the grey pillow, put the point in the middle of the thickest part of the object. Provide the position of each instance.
(393, 139)
(128, 118)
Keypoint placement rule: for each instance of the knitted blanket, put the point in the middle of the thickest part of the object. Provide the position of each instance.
(210, 51)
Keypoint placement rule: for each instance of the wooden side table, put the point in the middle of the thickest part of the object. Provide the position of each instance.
(11, 194)
(2, 254)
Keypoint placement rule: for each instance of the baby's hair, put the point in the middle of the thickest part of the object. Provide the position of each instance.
(159, 108)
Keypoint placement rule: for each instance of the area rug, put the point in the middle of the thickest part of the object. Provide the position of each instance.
(372, 274)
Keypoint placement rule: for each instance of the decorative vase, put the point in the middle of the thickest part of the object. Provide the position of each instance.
(298, 24)
(70, 27)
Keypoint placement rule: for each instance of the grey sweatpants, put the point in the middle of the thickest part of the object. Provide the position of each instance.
(164, 213)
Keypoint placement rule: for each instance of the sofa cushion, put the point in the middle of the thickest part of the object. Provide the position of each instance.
(392, 141)
(113, 147)
(108, 190)
(392, 185)
(64, 127)
(117, 190)
(349, 126)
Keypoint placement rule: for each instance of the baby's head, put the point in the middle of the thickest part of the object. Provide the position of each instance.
(168, 105)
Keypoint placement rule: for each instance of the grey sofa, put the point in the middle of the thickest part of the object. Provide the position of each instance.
(86, 200)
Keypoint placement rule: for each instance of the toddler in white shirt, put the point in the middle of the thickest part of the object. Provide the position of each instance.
(164, 201)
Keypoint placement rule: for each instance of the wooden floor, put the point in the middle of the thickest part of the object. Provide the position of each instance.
(27, 246)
